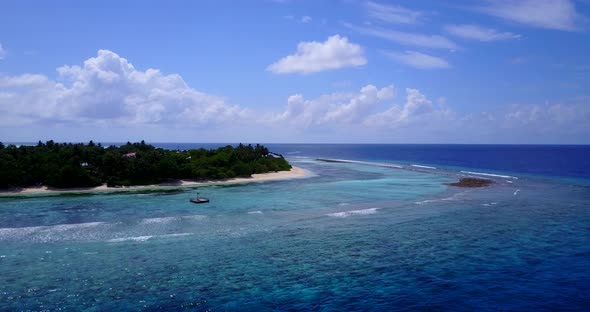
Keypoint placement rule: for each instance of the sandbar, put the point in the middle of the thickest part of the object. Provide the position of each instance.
(294, 173)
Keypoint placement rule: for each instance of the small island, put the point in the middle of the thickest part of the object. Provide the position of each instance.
(68, 165)
(471, 182)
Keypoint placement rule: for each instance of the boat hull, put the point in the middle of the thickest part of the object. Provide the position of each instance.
(199, 200)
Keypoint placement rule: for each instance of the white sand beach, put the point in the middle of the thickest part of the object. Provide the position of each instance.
(294, 173)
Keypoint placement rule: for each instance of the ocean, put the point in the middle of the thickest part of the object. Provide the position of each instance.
(351, 237)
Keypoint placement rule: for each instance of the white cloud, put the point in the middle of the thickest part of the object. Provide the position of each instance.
(306, 19)
(359, 105)
(25, 80)
(475, 32)
(107, 98)
(370, 109)
(372, 115)
(336, 52)
(2, 52)
(548, 115)
(417, 109)
(393, 13)
(418, 60)
(560, 122)
(331, 109)
(407, 38)
(550, 14)
(109, 88)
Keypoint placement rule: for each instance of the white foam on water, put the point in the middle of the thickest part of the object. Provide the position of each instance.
(50, 233)
(346, 214)
(490, 175)
(509, 181)
(90, 231)
(255, 212)
(193, 217)
(343, 204)
(425, 167)
(145, 238)
(171, 219)
(75, 226)
(516, 192)
(132, 238)
(422, 202)
(158, 220)
(378, 164)
(46, 229)
(172, 235)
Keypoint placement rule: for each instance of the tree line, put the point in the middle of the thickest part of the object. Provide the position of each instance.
(66, 165)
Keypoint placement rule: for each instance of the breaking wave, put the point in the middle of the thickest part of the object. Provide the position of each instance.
(346, 214)
(490, 175)
(171, 219)
(145, 238)
(49, 233)
(424, 167)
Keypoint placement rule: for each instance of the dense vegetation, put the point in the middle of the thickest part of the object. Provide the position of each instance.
(85, 165)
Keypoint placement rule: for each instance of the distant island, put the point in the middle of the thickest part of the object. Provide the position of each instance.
(68, 165)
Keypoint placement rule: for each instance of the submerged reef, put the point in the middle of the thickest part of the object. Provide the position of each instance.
(471, 182)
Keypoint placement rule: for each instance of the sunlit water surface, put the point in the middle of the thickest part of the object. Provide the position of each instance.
(351, 237)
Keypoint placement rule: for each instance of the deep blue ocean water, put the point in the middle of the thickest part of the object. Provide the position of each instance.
(351, 237)
(552, 160)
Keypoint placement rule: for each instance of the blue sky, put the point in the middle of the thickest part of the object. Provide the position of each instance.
(296, 71)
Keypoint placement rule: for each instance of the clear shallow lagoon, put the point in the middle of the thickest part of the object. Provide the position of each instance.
(353, 237)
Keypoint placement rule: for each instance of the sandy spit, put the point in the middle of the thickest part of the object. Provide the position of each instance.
(294, 173)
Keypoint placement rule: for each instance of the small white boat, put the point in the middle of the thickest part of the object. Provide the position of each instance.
(199, 200)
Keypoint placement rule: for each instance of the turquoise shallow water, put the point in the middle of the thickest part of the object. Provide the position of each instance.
(353, 237)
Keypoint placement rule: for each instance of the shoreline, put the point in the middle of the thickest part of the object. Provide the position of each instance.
(294, 173)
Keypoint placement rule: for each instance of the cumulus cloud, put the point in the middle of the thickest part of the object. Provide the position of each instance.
(418, 60)
(393, 13)
(550, 14)
(475, 32)
(406, 38)
(374, 115)
(107, 92)
(25, 80)
(2, 52)
(109, 88)
(335, 108)
(417, 107)
(334, 53)
(369, 108)
(359, 105)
